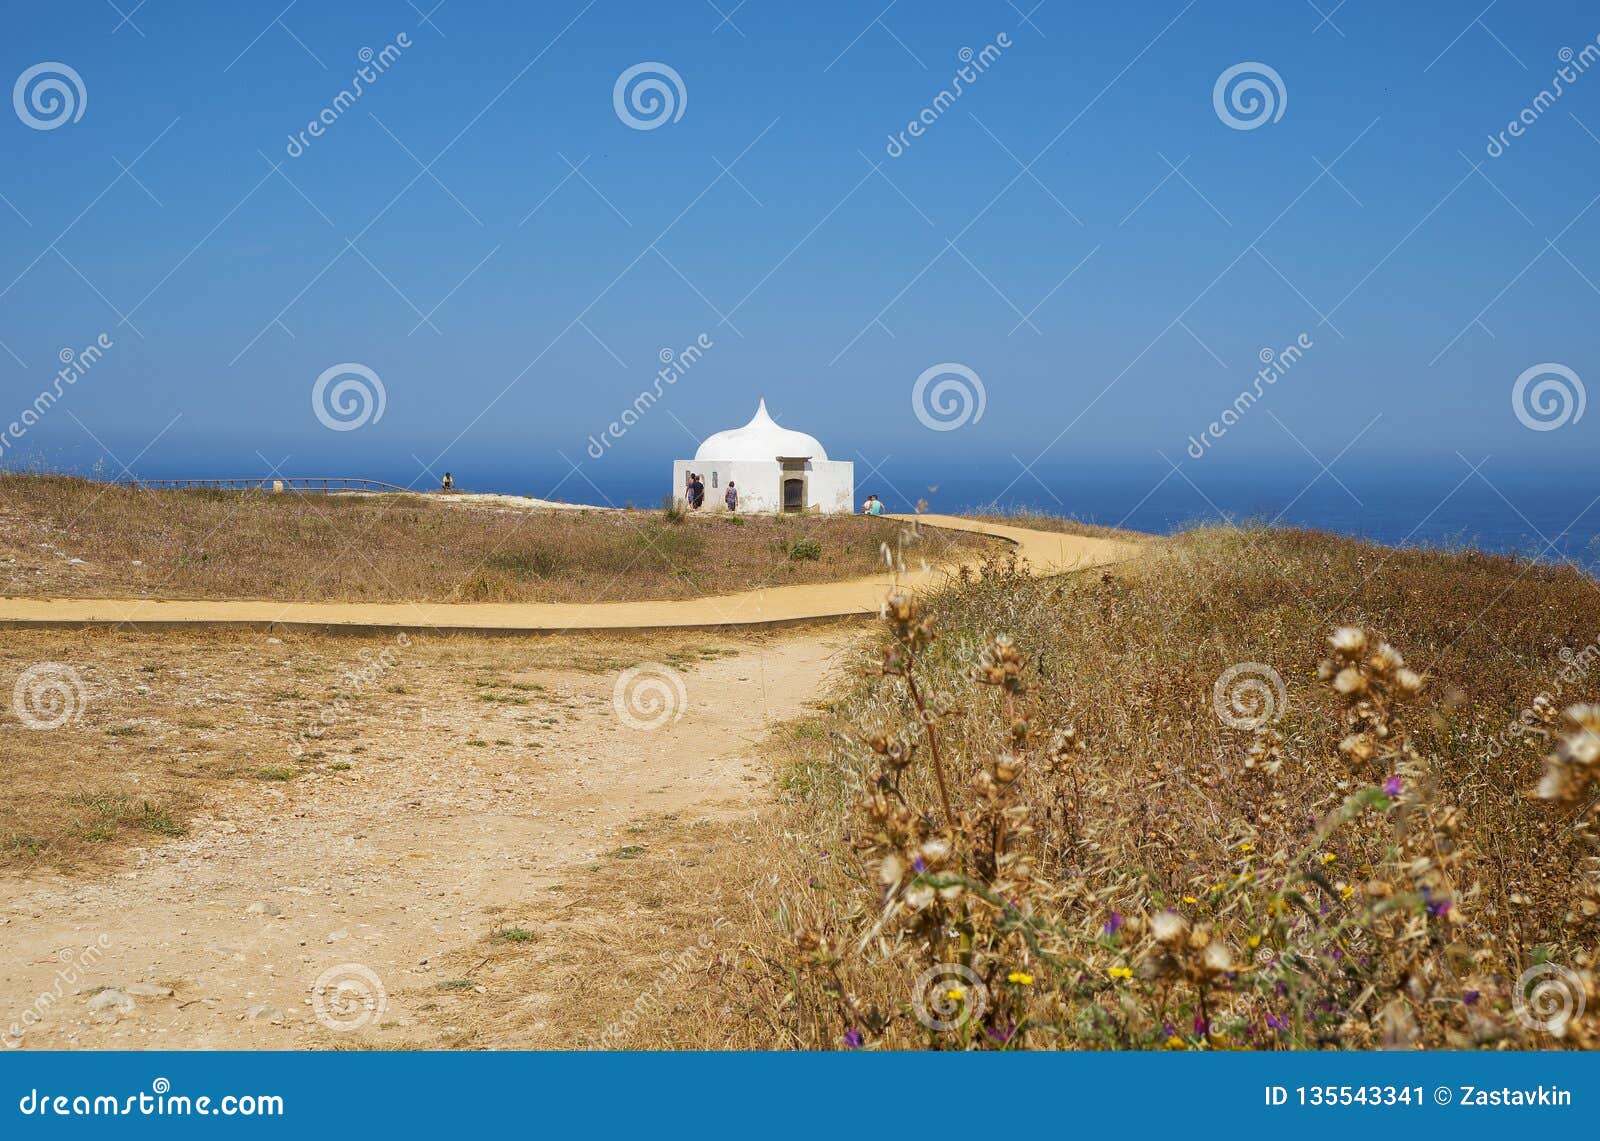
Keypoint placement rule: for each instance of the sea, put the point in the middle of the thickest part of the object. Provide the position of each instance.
(1547, 515)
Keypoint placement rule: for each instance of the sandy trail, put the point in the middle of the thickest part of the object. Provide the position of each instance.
(217, 939)
(1047, 552)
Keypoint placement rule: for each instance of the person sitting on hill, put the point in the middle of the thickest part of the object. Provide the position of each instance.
(873, 506)
(448, 483)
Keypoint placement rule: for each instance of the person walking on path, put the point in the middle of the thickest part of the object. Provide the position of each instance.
(698, 493)
(732, 497)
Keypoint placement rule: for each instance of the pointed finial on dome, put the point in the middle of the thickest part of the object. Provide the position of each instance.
(761, 412)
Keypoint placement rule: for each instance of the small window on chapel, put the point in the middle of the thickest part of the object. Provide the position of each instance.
(713, 479)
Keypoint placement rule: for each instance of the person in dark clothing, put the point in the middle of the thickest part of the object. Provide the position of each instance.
(699, 492)
(731, 498)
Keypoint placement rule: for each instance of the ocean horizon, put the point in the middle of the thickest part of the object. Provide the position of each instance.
(1519, 511)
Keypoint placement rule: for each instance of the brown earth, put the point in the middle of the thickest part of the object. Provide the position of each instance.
(473, 784)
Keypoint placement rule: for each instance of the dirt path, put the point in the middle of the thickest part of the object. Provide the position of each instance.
(367, 879)
(1047, 552)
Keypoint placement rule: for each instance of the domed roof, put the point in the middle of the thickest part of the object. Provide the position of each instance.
(761, 439)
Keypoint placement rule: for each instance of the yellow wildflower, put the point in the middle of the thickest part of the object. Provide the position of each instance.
(955, 994)
(1329, 858)
(1021, 978)
(1345, 890)
(1254, 941)
(1174, 1043)
(1190, 899)
(1246, 846)
(1121, 972)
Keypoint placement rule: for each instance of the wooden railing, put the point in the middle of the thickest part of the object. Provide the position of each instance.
(314, 485)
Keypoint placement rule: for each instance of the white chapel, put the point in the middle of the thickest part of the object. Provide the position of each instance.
(772, 467)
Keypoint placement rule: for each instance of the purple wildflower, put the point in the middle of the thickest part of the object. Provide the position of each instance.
(1201, 1026)
(1002, 1034)
(918, 866)
(1277, 1023)
(1114, 924)
(1471, 997)
(852, 1039)
(1391, 787)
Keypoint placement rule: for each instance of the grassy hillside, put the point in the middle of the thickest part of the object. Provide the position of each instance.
(1128, 854)
(62, 537)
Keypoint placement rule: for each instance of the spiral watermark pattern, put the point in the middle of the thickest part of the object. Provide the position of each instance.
(649, 95)
(948, 396)
(948, 996)
(48, 696)
(1547, 997)
(649, 696)
(348, 997)
(49, 95)
(1249, 695)
(1249, 95)
(1548, 396)
(348, 396)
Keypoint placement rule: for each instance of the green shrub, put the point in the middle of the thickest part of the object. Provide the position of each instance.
(805, 549)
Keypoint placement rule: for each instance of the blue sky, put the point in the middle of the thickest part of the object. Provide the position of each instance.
(1036, 233)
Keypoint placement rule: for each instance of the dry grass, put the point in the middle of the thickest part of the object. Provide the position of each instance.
(196, 544)
(622, 953)
(175, 726)
(1186, 884)
(1043, 521)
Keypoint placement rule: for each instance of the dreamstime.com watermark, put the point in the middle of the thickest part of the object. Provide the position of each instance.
(947, 996)
(649, 95)
(356, 682)
(48, 696)
(1576, 667)
(1548, 396)
(948, 396)
(69, 974)
(673, 367)
(1547, 997)
(1249, 695)
(1573, 64)
(159, 1101)
(348, 396)
(348, 996)
(1249, 95)
(649, 696)
(74, 366)
(675, 968)
(1274, 366)
(373, 65)
(49, 95)
(973, 64)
